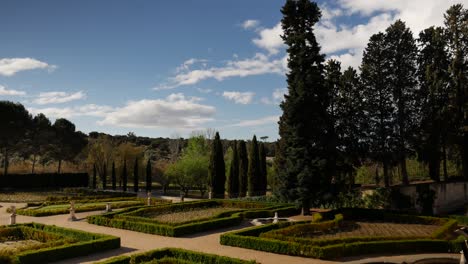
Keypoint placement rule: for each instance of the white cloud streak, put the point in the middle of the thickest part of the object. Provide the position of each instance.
(11, 66)
(58, 97)
(239, 97)
(6, 92)
(250, 23)
(257, 122)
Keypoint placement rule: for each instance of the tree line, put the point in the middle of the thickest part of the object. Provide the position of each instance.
(408, 99)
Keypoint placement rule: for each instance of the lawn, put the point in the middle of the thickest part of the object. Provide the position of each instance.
(191, 214)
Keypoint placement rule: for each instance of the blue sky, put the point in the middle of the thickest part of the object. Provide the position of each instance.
(161, 68)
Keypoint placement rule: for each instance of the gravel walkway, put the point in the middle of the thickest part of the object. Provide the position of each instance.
(133, 242)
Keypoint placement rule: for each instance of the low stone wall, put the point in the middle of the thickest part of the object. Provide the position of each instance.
(450, 196)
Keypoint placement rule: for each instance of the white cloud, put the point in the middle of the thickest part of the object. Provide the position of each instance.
(250, 23)
(257, 65)
(175, 111)
(270, 39)
(69, 112)
(276, 97)
(5, 91)
(257, 122)
(10, 66)
(239, 97)
(204, 90)
(58, 97)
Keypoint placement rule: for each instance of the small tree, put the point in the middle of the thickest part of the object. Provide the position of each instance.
(233, 179)
(124, 176)
(254, 172)
(94, 176)
(135, 176)
(263, 170)
(104, 176)
(114, 178)
(243, 168)
(216, 170)
(148, 176)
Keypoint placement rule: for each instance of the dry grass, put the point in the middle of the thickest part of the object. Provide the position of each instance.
(190, 215)
(365, 229)
(25, 197)
(15, 246)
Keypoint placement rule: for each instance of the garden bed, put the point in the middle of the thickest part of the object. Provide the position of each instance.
(38, 243)
(190, 217)
(175, 256)
(351, 233)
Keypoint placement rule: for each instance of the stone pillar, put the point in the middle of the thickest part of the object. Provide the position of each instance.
(72, 212)
(108, 207)
(13, 215)
(210, 195)
(275, 219)
(148, 200)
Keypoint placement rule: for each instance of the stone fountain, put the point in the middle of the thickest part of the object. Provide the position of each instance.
(268, 220)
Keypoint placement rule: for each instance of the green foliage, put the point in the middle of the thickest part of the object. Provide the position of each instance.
(135, 176)
(149, 178)
(263, 183)
(243, 168)
(216, 171)
(254, 173)
(114, 177)
(124, 176)
(45, 180)
(233, 176)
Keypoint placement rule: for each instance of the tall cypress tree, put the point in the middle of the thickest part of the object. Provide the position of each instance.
(114, 178)
(263, 169)
(217, 173)
(457, 35)
(434, 79)
(149, 179)
(104, 177)
(304, 125)
(94, 176)
(254, 174)
(243, 168)
(379, 103)
(233, 177)
(402, 56)
(135, 176)
(124, 176)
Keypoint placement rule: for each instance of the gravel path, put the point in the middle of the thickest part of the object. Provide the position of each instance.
(133, 242)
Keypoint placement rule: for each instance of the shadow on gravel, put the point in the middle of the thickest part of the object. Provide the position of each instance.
(244, 224)
(97, 256)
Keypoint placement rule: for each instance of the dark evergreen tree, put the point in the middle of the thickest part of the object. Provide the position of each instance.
(304, 125)
(379, 107)
(135, 176)
(402, 80)
(263, 170)
(254, 173)
(216, 172)
(456, 25)
(233, 177)
(243, 168)
(124, 176)
(94, 176)
(149, 178)
(114, 178)
(104, 177)
(434, 80)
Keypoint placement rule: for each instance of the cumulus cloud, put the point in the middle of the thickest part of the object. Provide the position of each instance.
(10, 66)
(7, 92)
(239, 97)
(69, 112)
(270, 39)
(276, 97)
(58, 97)
(175, 111)
(250, 23)
(257, 122)
(257, 65)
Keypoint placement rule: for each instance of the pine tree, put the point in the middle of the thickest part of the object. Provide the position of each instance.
(401, 55)
(149, 179)
(104, 177)
(94, 176)
(114, 178)
(243, 168)
(457, 36)
(217, 173)
(254, 172)
(263, 169)
(124, 176)
(379, 106)
(434, 79)
(304, 125)
(233, 177)
(135, 176)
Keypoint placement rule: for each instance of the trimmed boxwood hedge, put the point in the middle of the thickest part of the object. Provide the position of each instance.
(130, 219)
(278, 238)
(73, 243)
(175, 255)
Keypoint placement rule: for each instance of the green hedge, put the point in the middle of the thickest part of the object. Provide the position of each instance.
(175, 254)
(73, 243)
(278, 238)
(133, 220)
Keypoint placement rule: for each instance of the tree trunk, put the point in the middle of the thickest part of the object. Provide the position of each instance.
(5, 163)
(164, 189)
(464, 156)
(386, 176)
(34, 163)
(444, 153)
(59, 170)
(377, 177)
(404, 171)
(305, 207)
